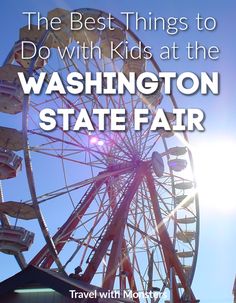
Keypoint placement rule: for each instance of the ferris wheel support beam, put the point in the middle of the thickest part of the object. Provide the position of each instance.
(115, 233)
(125, 263)
(171, 259)
(64, 233)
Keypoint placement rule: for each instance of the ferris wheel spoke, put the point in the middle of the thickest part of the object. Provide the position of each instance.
(80, 147)
(144, 138)
(90, 164)
(163, 206)
(151, 142)
(164, 186)
(132, 136)
(75, 186)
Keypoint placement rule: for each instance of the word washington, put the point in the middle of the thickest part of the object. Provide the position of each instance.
(112, 83)
(116, 119)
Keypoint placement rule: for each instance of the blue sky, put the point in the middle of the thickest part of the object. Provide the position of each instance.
(216, 263)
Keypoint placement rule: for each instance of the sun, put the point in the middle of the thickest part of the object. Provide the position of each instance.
(215, 171)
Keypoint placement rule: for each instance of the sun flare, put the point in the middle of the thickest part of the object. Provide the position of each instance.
(215, 168)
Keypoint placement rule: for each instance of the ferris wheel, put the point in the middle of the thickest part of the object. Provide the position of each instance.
(119, 207)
